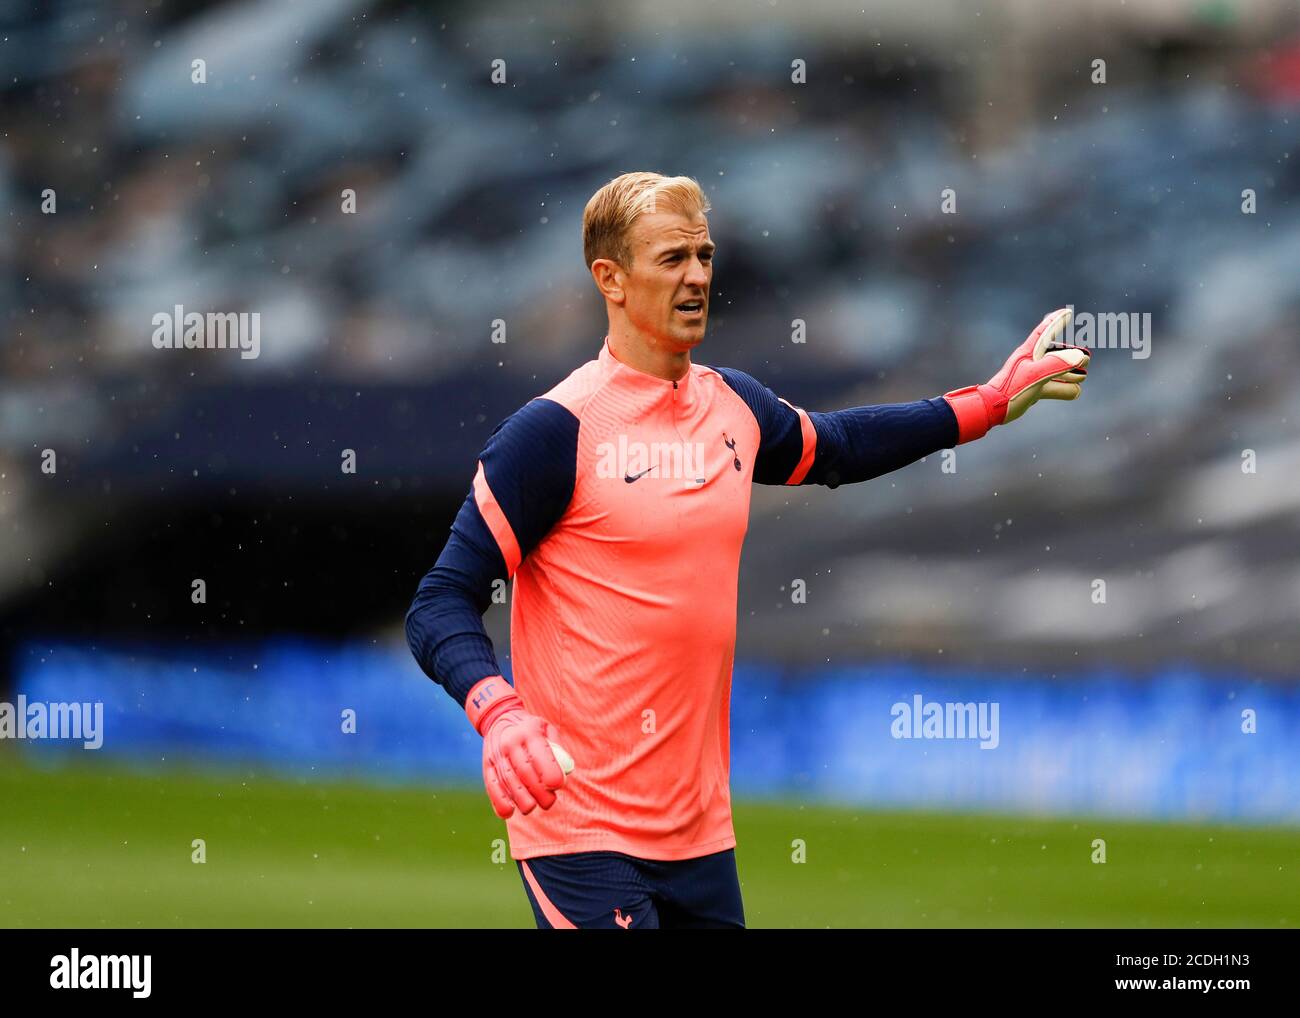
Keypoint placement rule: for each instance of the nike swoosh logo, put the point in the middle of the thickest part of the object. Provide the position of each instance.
(632, 477)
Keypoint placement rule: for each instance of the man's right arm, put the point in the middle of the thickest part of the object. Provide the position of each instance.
(522, 486)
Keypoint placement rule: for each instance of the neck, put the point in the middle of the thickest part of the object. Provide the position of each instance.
(642, 353)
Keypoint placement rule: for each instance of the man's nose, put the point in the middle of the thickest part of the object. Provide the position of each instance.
(697, 274)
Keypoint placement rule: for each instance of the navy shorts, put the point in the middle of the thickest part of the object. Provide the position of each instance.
(610, 890)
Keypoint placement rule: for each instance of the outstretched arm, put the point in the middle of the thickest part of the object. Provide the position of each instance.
(859, 443)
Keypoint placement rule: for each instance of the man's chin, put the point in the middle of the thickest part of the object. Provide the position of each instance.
(689, 337)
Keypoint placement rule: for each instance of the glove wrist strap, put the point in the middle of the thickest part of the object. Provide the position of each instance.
(489, 698)
(977, 408)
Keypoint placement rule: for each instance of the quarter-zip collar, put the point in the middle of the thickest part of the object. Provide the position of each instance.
(628, 376)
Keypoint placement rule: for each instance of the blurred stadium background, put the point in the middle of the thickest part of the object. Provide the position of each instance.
(1120, 721)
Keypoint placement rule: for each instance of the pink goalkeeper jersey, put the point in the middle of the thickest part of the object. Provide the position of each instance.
(618, 503)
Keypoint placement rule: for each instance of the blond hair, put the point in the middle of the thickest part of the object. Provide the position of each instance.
(608, 217)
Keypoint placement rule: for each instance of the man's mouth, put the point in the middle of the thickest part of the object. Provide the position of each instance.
(691, 308)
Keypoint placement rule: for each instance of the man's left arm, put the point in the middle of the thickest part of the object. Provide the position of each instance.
(859, 443)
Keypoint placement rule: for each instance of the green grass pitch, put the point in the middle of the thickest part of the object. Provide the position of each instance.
(109, 847)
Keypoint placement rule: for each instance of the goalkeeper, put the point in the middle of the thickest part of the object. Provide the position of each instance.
(617, 502)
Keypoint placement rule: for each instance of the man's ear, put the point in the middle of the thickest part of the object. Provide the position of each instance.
(609, 277)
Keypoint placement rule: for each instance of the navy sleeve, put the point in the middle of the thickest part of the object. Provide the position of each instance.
(525, 480)
(852, 445)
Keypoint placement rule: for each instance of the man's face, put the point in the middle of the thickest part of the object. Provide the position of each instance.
(667, 287)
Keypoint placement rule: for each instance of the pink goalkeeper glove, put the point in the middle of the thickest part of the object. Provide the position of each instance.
(522, 767)
(1031, 373)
